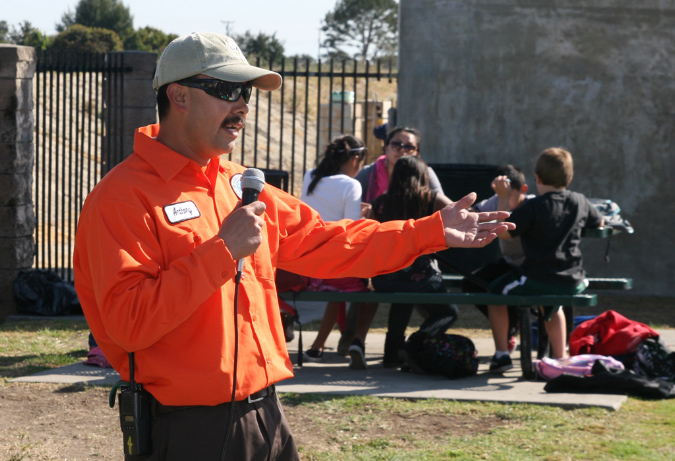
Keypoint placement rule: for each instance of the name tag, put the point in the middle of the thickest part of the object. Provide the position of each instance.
(179, 212)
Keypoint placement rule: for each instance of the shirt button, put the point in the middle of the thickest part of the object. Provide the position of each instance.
(254, 318)
(268, 360)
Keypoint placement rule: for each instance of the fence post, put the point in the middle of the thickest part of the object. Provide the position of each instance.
(17, 155)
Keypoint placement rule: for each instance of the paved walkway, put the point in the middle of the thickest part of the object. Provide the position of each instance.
(333, 376)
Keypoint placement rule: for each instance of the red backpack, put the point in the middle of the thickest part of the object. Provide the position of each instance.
(610, 333)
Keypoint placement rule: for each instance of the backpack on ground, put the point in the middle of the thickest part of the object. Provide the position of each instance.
(453, 356)
(610, 333)
(577, 365)
(654, 359)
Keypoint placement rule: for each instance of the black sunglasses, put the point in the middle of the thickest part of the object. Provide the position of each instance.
(405, 147)
(227, 91)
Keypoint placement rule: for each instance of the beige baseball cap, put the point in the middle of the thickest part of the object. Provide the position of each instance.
(215, 55)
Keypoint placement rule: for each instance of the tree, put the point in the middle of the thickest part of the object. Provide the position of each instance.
(104, 14)
(369, 26)
(266, 47)
(4, 32)
(302, 58)
(28, 35)
(80, 38)
(149, 39)
(25, 34)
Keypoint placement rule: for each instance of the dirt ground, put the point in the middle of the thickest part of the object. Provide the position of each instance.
(62, 422)
(56, 422)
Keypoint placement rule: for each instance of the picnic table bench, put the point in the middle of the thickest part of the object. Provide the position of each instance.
(523, 301)
(594, 283)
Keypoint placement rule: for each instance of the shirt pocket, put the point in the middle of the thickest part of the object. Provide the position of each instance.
(182, 245)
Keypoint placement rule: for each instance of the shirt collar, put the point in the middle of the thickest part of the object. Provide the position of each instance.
(164, 160)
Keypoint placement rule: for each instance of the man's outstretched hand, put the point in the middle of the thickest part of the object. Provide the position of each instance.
(466, 229)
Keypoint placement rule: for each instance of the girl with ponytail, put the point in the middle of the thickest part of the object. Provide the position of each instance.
(331, 190)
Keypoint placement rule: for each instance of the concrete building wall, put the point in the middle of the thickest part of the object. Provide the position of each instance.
(498, 81)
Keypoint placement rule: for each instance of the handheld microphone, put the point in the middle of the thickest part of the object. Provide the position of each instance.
(252, 183)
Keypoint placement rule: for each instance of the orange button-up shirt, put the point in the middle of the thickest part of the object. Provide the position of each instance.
(154, 278)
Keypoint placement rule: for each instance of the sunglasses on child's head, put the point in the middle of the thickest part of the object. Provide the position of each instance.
(227, 91)
(359, 152)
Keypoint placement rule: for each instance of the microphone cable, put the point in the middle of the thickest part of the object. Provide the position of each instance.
(252, 182)
(228, 433)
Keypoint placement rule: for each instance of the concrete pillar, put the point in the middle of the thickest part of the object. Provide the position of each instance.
(17, 218)
(138, 102)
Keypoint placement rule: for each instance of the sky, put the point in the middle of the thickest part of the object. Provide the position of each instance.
(295, 22)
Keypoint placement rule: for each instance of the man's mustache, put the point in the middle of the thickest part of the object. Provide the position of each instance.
(235, 119)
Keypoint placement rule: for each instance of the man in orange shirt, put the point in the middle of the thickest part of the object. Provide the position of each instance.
(156, 260)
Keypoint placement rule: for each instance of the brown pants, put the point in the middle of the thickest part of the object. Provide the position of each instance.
(259, 432)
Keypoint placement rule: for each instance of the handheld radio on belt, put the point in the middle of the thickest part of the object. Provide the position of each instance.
(134, 404)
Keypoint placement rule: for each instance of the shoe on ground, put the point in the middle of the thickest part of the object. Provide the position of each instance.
(96, 358)
(357, 355)
(501, 364)
(313, 355)
(344, 342)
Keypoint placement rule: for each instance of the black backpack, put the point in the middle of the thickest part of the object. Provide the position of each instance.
(453, 356)
(654, 359)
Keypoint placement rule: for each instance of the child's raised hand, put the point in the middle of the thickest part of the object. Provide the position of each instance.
(501, 185)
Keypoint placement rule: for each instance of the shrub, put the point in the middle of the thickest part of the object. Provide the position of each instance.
(87, 39)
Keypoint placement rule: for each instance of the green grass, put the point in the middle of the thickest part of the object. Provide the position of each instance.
(29, 346)
(640, 430)
(330, 427)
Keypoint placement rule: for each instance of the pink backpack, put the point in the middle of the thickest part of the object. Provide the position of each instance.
(578, 365)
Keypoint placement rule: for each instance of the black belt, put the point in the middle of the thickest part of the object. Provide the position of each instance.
(261, 394)
(255, 397)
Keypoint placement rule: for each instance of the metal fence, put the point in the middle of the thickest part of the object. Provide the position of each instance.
(287, 129)
(76, 110)
(72, 145)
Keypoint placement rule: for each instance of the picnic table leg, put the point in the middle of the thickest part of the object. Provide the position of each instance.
(569, 318)
(526, 343)
(543, 344)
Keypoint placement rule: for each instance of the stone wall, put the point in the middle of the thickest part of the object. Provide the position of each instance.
(17, 219)
(498, 81)
(17, 151)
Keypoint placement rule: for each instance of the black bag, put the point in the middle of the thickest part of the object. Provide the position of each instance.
(453, 356)
(653, 359)
(423, 276)
(43, 292)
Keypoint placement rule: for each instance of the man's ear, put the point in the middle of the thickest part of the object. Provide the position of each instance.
(523, 189)
(177, 96)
